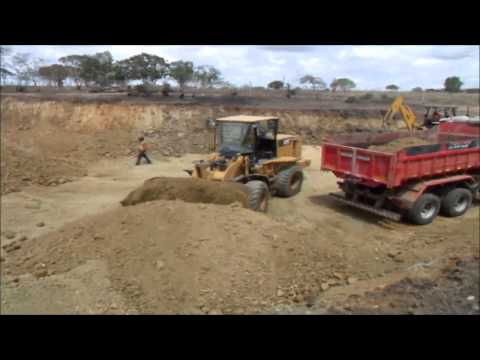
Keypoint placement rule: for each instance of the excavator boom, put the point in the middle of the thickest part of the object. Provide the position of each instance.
(398, 105)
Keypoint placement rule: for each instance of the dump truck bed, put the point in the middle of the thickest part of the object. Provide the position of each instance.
(453, 147)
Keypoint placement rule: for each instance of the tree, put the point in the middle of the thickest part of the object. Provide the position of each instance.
(290, 92)
(117, 75)
(276, 85)
(144, 67)
(25, 68)
(315, 82)
(96, 68)
(453, 84)
(55, 73)
(4, 73)
(417, 89)
(74, 64)
(225, 85)
(5, 53)
(392, 87)
(207, 76)
(344, 84)
(166, 89)
(181, 72)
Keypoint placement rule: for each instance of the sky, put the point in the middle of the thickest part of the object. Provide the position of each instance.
(371, 67)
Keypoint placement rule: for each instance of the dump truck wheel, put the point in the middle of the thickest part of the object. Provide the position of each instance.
(456, 202)
(289, 182)
(425, 209)
(258, 195)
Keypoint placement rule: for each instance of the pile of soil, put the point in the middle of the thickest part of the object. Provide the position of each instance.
(170, 257)
(192, 190)
(400, 144)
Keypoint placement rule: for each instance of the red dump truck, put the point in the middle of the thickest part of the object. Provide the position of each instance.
(414, 182)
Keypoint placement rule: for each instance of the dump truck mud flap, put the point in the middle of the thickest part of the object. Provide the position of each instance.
(356, 204)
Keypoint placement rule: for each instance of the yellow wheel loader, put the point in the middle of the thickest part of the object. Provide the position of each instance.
(249, 150)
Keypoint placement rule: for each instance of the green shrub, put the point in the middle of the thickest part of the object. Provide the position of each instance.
(367, 96)
(386, 98)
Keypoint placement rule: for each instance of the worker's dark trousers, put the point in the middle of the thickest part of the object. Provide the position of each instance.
(142, 155)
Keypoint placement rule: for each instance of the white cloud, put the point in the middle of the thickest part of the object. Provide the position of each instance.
(426, 62)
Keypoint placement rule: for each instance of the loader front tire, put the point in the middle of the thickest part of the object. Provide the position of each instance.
(289, 182)
(258, 195)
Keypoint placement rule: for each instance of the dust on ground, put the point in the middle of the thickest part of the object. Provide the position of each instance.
(192, 190)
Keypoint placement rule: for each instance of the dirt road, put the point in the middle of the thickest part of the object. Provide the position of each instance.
(349, 253)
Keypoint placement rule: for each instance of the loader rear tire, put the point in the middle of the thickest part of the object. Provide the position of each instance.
(258, 195)
(425, 209)
(456, 202)
(289, 182)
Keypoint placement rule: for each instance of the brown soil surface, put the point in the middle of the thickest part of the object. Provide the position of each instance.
(400, 144)
(192, 190)
(174, 257)
(454, 290)
(307, 255)
(48, 152)
(72, 248)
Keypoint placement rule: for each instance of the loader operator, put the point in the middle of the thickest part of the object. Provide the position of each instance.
(142, 151)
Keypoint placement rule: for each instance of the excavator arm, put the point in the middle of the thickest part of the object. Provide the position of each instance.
(408, 115)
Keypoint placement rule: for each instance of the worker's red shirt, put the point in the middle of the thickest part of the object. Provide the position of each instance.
(142, 146)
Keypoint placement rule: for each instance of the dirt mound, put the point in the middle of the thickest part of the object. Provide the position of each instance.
(401, 143)
(174, 257)
(187, 189)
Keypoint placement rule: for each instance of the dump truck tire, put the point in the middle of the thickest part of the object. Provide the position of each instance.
(289, 182)
(456, 202)
(425, 209)
(258, 195)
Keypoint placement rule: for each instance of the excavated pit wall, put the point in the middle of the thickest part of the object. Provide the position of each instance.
(185, 119)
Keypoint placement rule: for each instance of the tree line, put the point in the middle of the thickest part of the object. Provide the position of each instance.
(100, 69)
(316, 83)
(451, 84)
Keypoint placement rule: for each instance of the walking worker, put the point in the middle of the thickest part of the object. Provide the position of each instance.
(142, 151)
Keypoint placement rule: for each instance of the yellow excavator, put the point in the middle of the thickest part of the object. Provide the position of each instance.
(398, 105)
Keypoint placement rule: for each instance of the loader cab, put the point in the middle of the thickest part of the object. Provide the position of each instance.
(255, 136)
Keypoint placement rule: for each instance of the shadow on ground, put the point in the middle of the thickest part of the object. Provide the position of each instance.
(358, 214)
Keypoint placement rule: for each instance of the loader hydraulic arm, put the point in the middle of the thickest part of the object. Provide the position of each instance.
(408, 115)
